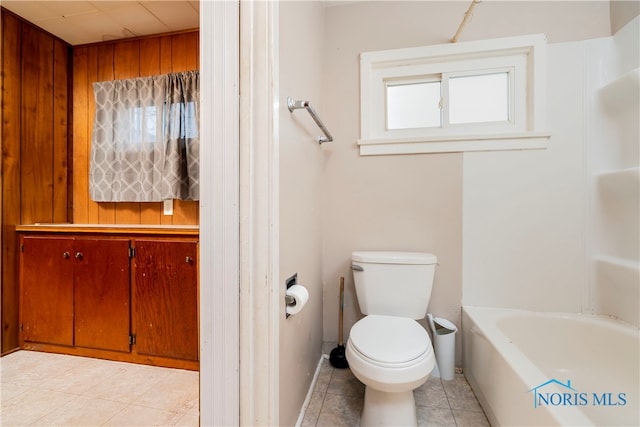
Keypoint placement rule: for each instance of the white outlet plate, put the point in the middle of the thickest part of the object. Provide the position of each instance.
(168, 207)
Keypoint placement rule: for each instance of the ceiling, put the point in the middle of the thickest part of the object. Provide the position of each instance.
(80, 22)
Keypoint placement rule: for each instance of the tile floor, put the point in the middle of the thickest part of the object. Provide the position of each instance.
(337, 401)
(40, 389)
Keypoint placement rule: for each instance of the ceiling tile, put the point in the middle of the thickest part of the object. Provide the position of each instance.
(137, 19)
(70, 8)
(31, 11)
(177, 15)
(80, 22)
(81, 29)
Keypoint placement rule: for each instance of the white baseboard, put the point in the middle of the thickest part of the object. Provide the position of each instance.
(305, 404)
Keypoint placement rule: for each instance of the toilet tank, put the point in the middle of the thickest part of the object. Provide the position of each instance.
(393, 283)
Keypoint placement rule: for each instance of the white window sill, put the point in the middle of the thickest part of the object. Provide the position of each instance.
(454, 144)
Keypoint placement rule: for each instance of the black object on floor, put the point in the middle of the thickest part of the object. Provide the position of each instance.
(337, 358)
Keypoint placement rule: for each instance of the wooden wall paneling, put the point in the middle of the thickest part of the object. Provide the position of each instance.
(92, 77)
(150, 212)
(80, 197)
(104, 71)
(126, 65)
(37, 127)
(184, 57)
(184, 53)
(10, 111)
(166, 57)
(60, 131)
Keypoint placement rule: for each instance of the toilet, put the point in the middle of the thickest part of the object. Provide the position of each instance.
(388, 350)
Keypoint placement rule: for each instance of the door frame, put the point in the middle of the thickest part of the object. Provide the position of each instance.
(239, 298)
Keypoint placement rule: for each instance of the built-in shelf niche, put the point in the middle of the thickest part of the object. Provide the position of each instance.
(622, 183)
(616, 277)
(623, 93)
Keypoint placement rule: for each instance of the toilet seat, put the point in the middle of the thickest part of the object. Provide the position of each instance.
(390, 341)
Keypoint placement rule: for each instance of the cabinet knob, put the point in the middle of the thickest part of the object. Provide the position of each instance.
(79, 255)
(65, 255)
(188, 260)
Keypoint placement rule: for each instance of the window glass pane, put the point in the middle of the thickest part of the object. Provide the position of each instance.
(141, 126)
(415, 105)
(184, 123)
(478, 99)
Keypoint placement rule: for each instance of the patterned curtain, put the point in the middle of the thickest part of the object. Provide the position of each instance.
(145, 143)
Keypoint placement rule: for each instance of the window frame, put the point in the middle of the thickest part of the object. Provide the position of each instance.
(524, 58)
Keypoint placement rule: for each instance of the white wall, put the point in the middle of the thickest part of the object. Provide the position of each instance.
(301, 46)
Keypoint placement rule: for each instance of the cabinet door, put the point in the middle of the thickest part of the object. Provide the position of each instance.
(102, 293)
(166, 298)
(46, 275)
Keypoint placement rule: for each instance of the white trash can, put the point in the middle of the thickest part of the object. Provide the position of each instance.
(444, 337)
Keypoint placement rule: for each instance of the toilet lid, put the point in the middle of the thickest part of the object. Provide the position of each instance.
(389, 339)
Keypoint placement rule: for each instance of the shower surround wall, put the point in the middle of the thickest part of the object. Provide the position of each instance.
(613, 174)
(557, 229)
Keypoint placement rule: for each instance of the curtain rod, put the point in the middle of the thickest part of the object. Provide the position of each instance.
(467, 16)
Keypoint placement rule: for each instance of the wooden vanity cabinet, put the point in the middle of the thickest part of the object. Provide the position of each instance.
(46, 280)
(102, 293)
(129, 297)
(75, 291)
(166, 300)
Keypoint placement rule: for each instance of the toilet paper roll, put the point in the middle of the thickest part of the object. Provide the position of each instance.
(300, 297)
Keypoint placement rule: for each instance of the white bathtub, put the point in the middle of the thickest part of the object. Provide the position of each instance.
(546, 369)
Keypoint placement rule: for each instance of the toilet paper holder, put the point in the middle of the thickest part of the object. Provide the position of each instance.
(288, 299)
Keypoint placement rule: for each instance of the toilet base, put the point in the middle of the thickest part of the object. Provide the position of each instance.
(388, 408)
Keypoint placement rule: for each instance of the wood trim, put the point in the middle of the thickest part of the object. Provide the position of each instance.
(259, 251)
(101, 229)
(192, 365)
(138, 38)
(219, 239)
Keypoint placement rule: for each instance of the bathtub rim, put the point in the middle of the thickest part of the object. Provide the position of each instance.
(528, 373)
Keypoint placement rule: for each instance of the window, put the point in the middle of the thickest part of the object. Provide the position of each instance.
(413, 105)
(480, 98)
(482, 95)
(145, 143)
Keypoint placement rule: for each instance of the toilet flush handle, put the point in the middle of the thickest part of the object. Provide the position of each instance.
(356, 267)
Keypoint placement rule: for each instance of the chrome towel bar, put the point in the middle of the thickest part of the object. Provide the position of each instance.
(294, 105)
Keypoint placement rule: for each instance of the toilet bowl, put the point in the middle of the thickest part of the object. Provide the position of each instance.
(388, 350)
(391, 356)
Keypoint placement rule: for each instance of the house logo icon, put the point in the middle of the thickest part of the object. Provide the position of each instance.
(555, 399)
(557, 393)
